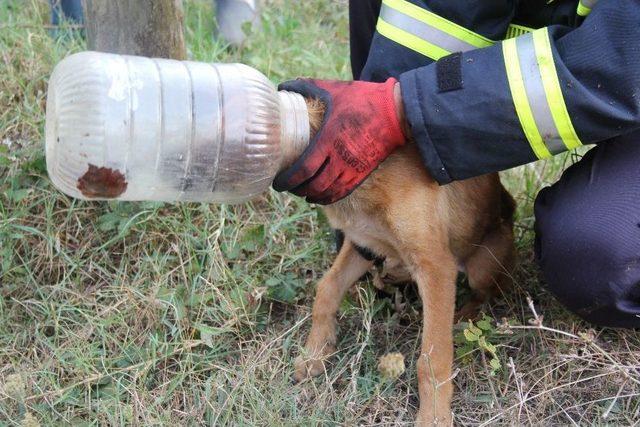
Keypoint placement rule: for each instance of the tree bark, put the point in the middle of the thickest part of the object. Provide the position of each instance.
(152, 28)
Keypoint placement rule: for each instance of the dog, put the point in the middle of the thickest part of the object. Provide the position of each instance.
(426, 232)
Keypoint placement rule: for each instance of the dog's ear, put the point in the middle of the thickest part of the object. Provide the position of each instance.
(316, 110)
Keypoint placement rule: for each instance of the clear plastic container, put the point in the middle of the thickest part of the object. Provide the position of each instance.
(133, 128)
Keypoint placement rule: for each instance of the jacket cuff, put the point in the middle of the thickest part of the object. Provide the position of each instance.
(415, 118)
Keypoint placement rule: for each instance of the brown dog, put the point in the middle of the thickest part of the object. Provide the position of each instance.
(433, 232)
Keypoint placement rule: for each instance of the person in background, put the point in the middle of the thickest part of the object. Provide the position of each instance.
(65, 10)
(70, 10)
(232, 17)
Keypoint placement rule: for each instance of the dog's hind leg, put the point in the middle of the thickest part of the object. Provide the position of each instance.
(489, 270)
(348, 267)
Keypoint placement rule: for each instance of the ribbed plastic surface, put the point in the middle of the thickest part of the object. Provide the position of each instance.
(136, 128)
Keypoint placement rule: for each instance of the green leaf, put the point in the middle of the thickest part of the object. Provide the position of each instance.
(175, 300)
(18, 195)
(107, 391)
(207, 333)
(459, 338)
(37, 165)
(125, 225)
(230, 252)
(197, 299)
(475, 330)
(495, 364)
(484, 324)
(5, 261)
(253, 238)
(491, 348)
(465, 350)
(109, 221)
(470, 336)
(483, 398)
(284, 288)
(482, 342)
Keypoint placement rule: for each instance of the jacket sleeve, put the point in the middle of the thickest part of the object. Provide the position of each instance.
(528, 98)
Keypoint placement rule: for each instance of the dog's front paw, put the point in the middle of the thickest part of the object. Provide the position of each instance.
(308, 367)
(428, 418)
(320, 345)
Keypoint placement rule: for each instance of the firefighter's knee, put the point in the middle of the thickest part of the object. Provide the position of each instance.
(588, 248)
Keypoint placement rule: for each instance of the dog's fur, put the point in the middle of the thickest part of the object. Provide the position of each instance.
(425, 231)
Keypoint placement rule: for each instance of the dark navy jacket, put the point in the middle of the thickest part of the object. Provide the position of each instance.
(476, 123)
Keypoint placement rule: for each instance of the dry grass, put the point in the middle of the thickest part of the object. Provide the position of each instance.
(154, 314)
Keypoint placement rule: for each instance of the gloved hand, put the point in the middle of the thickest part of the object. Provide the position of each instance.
(361, 127)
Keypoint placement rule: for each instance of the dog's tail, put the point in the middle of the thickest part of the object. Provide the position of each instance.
(507, 206)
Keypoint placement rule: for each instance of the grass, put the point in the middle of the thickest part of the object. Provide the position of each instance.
(154, 314)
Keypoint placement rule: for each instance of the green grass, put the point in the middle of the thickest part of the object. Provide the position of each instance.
(155, 314)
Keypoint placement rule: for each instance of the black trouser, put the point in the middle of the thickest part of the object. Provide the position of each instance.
(588, 234)
(363, 16)
(67, 9)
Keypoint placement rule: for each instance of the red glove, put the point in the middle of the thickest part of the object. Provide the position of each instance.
(359, 130)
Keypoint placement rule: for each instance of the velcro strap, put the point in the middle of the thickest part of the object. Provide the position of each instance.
(449, 72)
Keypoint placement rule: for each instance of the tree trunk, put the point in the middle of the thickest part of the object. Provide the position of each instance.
(152, 28)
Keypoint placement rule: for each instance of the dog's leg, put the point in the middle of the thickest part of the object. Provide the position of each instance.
(489, 270)
(435, 273)
(348, 267)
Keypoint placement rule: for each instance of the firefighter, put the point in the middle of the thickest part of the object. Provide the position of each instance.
(487, 85)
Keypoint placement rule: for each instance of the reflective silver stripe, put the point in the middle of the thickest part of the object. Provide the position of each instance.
(589, 3)
(423, 31)
(537, 95)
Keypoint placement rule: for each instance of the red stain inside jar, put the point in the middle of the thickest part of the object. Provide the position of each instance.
(102, 183)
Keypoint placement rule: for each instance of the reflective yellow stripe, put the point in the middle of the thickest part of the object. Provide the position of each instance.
(410, 41)
(537, 95)
(585, 6)
(553, 91)
(521, 101)
(516, 30)
(583, 10)
(438, 22)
